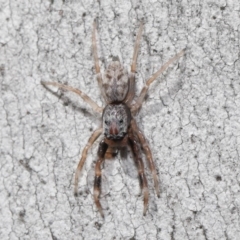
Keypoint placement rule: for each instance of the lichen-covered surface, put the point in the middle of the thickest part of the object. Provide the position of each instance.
(191, 119)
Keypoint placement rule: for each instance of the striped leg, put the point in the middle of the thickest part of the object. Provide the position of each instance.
(148, 154)
(95, 55)
(131, 89)
(98, 175)
(138, 160)
(91, 140)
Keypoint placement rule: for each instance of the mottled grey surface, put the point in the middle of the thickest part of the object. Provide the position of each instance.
(191, 119)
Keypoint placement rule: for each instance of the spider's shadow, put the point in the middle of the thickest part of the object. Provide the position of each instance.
(70, 102)
(127, 163)
(164, 100)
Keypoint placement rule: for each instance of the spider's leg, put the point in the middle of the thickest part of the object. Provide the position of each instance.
(148, 154)
(131, 88)
(84, 96)
(143, 93)
(91, 140)
(136, 48)
(95, 55)
(139, 162)
(98, 175)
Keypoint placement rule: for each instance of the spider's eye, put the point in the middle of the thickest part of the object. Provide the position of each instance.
(120, 121)
(106, 122)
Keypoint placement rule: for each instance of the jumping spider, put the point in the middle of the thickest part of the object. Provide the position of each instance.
(118, 124)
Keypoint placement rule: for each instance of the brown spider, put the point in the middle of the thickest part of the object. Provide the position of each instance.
(118, 123)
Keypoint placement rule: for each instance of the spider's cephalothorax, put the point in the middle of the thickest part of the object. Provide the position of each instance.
(116, 120)
(115, 82)
(119, 126)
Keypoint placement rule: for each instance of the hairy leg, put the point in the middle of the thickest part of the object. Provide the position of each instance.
(148, 154)
(95, 55)
(98, 175)
(139, 162)
(91, 140)
(131, 88)
(139, 101)
(85, 97)
(136, 48)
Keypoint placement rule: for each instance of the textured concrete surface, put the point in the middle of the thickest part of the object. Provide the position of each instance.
(191, 119)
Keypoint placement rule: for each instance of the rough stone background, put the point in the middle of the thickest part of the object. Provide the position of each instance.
(190, 118)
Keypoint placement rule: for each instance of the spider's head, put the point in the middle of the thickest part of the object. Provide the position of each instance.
(116, 120)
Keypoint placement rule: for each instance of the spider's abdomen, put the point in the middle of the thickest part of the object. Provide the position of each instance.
(115, 82)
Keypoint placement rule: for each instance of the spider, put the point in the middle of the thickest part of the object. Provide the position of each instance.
(118, 124)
